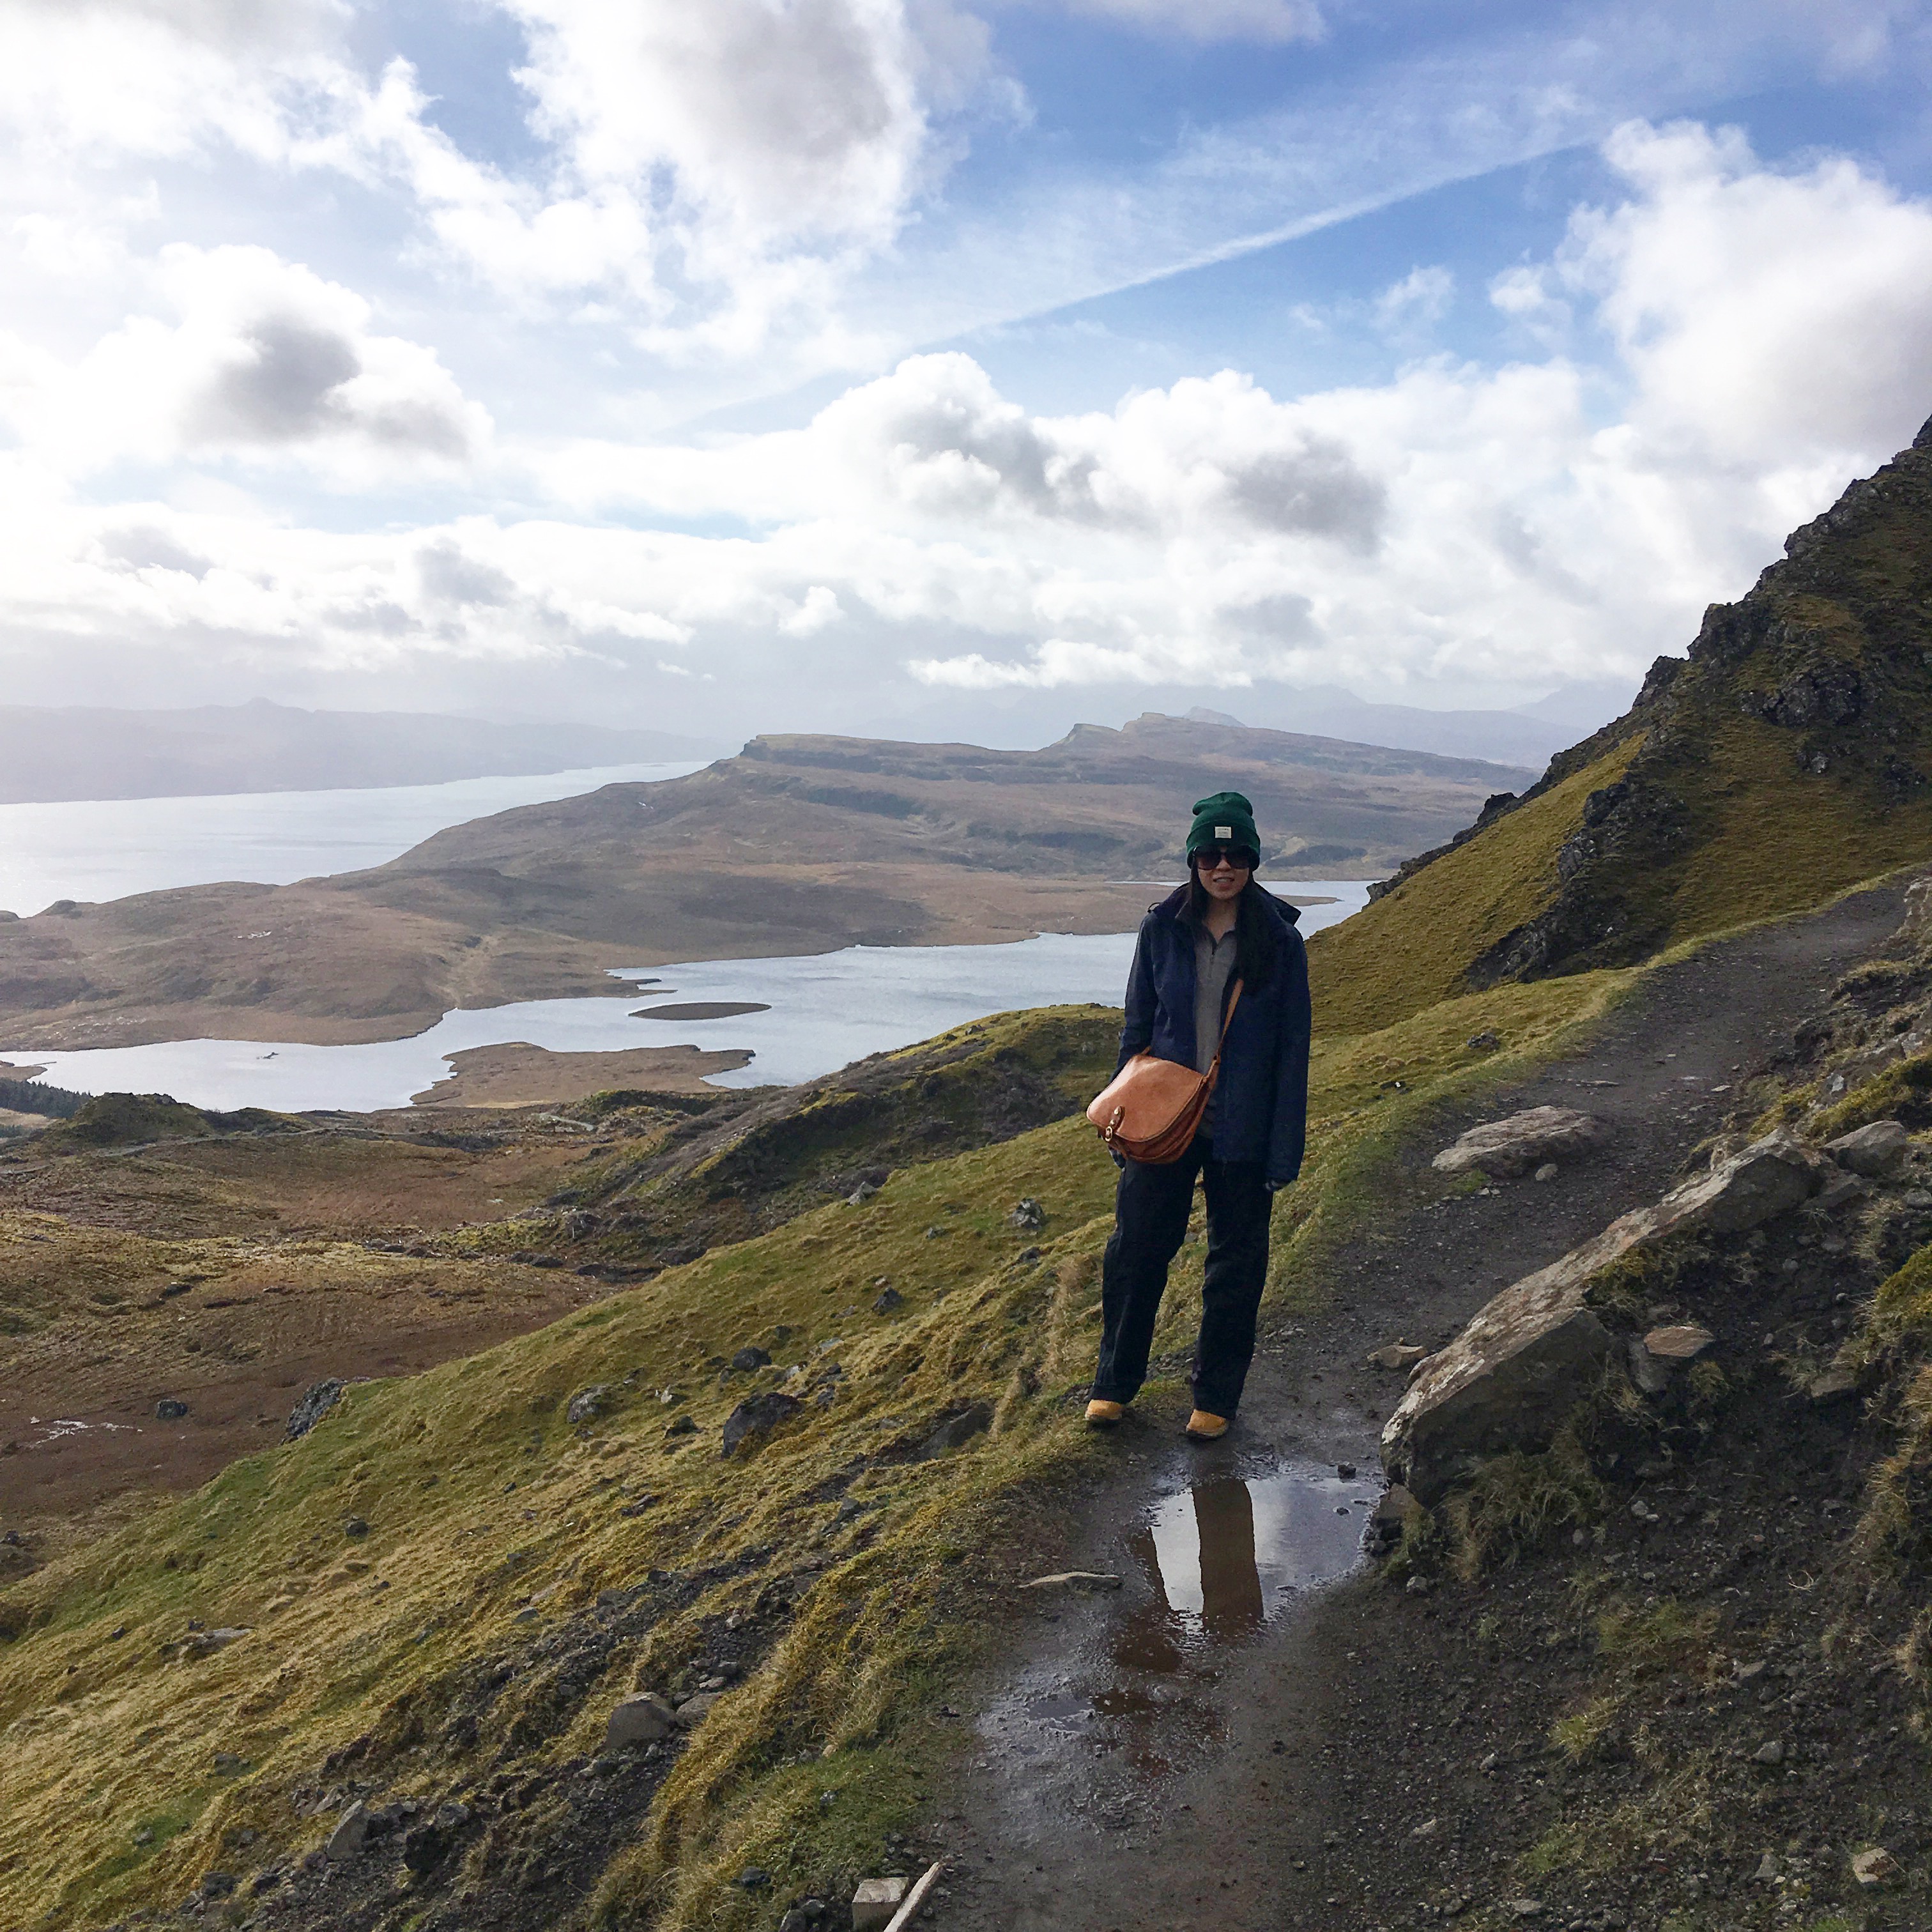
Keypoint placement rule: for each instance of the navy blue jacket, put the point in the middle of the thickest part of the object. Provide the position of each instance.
(1262, 1099)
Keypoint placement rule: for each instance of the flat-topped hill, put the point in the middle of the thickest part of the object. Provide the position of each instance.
(796, 845)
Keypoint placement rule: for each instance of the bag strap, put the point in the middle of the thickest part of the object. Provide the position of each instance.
(1232, 1004)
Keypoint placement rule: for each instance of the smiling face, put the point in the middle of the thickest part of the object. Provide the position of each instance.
(1223, 871)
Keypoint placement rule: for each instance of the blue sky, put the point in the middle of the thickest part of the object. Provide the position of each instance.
(949, 366)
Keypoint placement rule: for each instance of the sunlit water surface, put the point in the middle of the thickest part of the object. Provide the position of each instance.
(821, 1012)
(106, 848)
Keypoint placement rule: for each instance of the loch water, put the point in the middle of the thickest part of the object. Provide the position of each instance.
(92, 849)
(818, 1012)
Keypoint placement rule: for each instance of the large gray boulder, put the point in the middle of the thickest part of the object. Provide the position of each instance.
(1513, 1146)
(1527, 1357)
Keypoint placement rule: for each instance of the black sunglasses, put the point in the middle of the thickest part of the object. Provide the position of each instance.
(1208, 856)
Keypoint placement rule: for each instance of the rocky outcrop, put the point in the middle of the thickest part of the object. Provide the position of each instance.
(318, 1398)
(757, 1416)
(1514, 1145)
(1819, 673)
(1515, 1372)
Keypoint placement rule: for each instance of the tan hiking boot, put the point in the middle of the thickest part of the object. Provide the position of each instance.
(1203, 1427)
(1105, 1414)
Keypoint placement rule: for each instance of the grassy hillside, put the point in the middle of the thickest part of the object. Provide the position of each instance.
(443, 1587)
(1412, 946)
(1790, 757)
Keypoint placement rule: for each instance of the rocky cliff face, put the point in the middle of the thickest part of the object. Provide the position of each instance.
(1826, 664)
(1786, 758)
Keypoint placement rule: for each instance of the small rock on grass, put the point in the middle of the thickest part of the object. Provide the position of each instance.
(642, 1720)
(693, 1711)
(1875, 1867)
(751, 1357)
(757, 1415)
(346, 1841)
(168, 1409)
(887, 1300)
(587, 1404)
(318, 1398)
(953, 1432)
(206, 1643)
(683, 1425)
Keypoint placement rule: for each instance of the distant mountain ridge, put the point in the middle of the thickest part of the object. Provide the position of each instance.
(52, 755)
(1530, 734)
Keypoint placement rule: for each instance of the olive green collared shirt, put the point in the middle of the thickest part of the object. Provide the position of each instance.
(1213, 965)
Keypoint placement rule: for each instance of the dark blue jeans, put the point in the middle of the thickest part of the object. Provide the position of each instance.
(1150, 1210)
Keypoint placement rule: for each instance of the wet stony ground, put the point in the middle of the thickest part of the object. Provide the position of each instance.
(1217, 1739)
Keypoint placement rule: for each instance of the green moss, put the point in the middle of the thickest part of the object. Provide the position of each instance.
(1663, 1638)
(129, 1120)
(1902, 1092)
(1516, 1501)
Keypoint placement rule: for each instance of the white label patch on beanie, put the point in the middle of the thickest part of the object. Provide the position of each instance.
(1224, 832)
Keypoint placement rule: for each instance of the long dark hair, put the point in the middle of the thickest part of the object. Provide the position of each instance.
(1254, 927)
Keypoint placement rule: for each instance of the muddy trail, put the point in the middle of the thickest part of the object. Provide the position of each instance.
(1220, 1737)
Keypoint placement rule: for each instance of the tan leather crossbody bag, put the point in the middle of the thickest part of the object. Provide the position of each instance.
(1150, 1110)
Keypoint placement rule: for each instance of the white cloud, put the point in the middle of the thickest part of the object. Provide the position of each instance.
(1264, 20)
(263, 361)
(84, 80)
(1457, 526)
(712, 171)
(1760, 314)
(1422, 298)
(776, 120)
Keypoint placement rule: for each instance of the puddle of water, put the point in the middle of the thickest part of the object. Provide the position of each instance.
(1057, 1704)
(1093, 1749)
(1223, 1558)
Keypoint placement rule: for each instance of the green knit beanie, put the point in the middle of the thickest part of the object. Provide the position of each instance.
(1226, 819)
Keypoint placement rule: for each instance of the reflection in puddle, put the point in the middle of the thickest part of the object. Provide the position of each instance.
(1222, 1557)
(1094, 1736)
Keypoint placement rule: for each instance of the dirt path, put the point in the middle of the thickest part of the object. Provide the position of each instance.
(1192, 1747)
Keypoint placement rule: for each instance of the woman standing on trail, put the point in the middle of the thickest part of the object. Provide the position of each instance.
(1219, 967)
